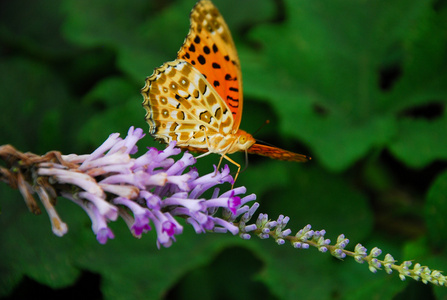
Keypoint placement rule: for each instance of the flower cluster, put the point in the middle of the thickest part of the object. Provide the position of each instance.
(150, 190)
(154, 190)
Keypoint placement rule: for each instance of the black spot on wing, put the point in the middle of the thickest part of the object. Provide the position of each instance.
(230, 78)
(232, 102)
(201, 59)
(216, 66)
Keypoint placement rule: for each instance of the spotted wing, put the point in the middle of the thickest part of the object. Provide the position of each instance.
(209, 47)
(277, 153)
(179, 103)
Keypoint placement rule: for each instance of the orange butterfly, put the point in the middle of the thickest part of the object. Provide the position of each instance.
(196, 99)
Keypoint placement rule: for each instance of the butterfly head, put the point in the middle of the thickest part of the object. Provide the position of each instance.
(243, 141)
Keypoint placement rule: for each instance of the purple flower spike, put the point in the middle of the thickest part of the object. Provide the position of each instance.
(152, 201)
(103, 234)
(168, 227)
(179, 166)
(192, 205)
(155, 187)
(141, 215)
(99, 221)
(112, 140)
(103, 207)
(165, 229)
(170, 150)
(232, 202)
(197, 227)
(203, 183)
(133, 136)
(181, 181)
(227, 225)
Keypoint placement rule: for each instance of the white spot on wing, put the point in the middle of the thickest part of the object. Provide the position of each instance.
(182, 93)
(173, 102)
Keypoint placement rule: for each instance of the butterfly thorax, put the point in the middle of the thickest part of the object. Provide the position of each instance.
(230, 143)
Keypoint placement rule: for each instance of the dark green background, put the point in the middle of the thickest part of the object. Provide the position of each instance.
(361, 86)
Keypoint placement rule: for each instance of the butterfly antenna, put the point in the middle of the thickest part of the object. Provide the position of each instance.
(264, 143)
(262, 126)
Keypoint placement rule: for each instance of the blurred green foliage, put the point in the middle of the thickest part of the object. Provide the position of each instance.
(361, 86)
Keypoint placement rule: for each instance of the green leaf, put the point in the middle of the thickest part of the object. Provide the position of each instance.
(436, 211)
(112, 91)
(34, 99)
(133, 29)
(116, 119)
(423, 80)
(420, 141)
(120, 108)
(133, 268)
(25, 240)
(321, 75)
(22, 27)
(328, 202)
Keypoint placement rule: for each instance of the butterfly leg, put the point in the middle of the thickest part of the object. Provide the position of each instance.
(234, 163)
(206, 140)
(202, 155)
(220, 161)
(218, 165)
(209, 147)
(207, 144)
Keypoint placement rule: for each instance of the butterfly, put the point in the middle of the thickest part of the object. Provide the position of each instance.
(196, 100)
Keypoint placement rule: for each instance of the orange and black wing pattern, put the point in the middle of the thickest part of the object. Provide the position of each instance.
(209, 47)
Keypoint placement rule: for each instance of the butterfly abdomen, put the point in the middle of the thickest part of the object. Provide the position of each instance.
(277, 153)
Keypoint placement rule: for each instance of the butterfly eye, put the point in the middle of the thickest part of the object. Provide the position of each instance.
(242, 139)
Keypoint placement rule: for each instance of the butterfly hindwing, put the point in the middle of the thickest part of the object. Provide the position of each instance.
(180, 103)
(209, 47)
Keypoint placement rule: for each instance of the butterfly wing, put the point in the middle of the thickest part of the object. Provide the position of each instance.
(277, 153)
(209, 47)
(180, 103)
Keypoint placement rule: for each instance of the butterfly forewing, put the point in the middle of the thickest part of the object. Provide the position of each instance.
(181, 105)
(209, 47)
